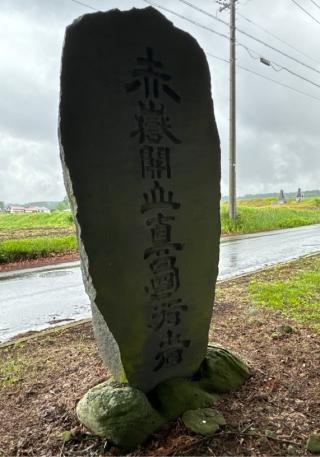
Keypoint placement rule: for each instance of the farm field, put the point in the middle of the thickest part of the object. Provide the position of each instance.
(34, 236)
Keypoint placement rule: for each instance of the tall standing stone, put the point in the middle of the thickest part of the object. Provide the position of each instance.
(141, 160)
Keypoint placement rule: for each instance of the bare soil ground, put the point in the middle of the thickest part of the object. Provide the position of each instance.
(271, 415)
(41, 261)
(10, 234)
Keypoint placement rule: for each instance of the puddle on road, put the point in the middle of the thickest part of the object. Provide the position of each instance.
(59, 321)
(55, 274)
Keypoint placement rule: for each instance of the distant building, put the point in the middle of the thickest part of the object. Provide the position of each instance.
(16, 209)
(31, 209)
(27, 209)
(43, 209)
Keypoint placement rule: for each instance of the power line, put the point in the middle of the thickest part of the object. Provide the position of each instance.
(305, 11)
(84, 4)
(276, 37)
(225, 36)
(315, 3)
(264, 77)
(281, 67)
(217, 33)
(186, 19)
(240, 31)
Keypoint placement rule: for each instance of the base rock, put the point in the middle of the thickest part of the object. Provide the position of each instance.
(203, 421)
(120, 413)
(222, 370)
(127, 417)
(313, 444)
(172, 398)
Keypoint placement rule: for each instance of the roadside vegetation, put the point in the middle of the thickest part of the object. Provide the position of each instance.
(264, 214)
(297, 296)
(35, 235)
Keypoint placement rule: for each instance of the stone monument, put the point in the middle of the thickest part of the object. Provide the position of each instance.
(282, 198)
(141, 161)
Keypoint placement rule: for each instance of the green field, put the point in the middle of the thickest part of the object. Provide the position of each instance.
(26, 236)
(31, 248)
(55, 219)
(34, 235)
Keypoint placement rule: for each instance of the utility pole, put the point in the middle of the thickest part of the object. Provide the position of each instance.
(232, 110)
(232, 113)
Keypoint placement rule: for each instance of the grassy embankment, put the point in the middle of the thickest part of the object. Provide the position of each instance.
(262, 214)
(29, 236)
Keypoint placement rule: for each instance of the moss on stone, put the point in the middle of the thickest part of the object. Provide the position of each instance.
(120, 413)
(222, 370)
(175, 396)
(204, 421)
(126, 416)
(313, 444)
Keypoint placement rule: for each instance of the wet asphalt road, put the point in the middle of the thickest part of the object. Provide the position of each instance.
(39, 298)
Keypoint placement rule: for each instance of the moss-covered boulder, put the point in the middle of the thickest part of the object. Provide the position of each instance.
(175, 396)
(313, 444)
(204, 421)
(120, 413)
(222, 370)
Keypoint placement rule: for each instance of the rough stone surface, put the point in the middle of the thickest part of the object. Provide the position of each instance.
(313, 444)
(121, 414)
(204, 421)
(222, 370)
(172, 398)
(141, 162)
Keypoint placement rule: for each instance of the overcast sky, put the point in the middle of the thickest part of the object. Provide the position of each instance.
(278, 130)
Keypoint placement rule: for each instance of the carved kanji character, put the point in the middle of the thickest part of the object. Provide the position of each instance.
(165, 279)
(161, 236)
(153, 124)
(167, 313)
(155, 161)
(171, 353)
(148, 74)
(158, 199)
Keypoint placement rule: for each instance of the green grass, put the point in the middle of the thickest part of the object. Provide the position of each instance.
(306, 203)
(31, 248)
(56, 219)
(297, 297)
(255, 219)
(11, 370)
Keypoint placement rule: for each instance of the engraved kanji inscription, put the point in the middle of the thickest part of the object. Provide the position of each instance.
(171, 352)
(155, 162)
(157, 140)
(161, 236)
(165, 279)
(157, 199)
(167, 313)
(153, 125)
(149, 75)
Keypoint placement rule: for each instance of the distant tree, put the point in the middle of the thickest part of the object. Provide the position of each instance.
(65, 204)
(1, 205)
